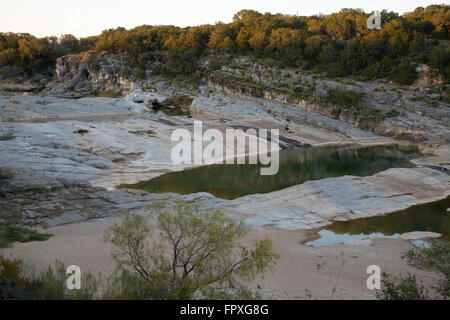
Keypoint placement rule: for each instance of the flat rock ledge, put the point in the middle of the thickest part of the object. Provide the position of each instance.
(418, 235)
(63, 166)
(38, 201)
(315, 204)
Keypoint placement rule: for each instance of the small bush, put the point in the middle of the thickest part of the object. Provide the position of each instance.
(403, 289)
(12, 285)
(161, 69)
(434, 257)
(392, 113)
(7, 136)
(216, 63)
(344, 98)
(43, 102)
(93, 63)
(50, 285)
(439, 58)
(105, 94)
(6, 173)
(141, 74)
(182, 62)
(404, 74)
(181, 101)
(10, 234)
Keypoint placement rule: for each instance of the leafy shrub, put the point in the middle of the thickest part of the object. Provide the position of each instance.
(10, 234)
(403, 289)
(434, 257)
(141, 74)
(404, 74)
(50, 285)
(216, 63)
(182, 62)
(392, 113)
(6, 173)
(161, 69)
(12, 285)
(439, 58)
(4, 137)
(180, 100)
(344, 98)
(93, 63)
(204, 256)
(379, 69)
(43, 102)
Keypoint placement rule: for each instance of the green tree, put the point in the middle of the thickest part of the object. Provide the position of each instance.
(345, 98)
(219, 37)
(200, 253)
(284, 37)
(439, 58)
(316, 26)
(257, 40)
(405, 73)
(69, 44)
(182, 62)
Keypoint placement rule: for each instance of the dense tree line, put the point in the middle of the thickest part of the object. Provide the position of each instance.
(339, 44)
(25, 55)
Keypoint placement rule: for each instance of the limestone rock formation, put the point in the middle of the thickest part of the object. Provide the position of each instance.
(82, 74)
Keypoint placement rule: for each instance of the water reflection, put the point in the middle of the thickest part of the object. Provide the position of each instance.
(296, 166)
(427, 217)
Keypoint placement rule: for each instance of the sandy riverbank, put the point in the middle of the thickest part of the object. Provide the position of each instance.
(302, 273)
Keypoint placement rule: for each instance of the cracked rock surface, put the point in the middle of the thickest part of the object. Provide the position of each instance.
(67, 156)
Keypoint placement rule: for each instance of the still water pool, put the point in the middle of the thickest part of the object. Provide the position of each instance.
(296, 166)
(305, 164)
(426, 217)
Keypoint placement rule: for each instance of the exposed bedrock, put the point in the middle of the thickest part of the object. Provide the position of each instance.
(411, 118)
(65, 156)
(78, 75)
(318, 203)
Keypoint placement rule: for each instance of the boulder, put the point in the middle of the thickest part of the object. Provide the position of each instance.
(139, 96)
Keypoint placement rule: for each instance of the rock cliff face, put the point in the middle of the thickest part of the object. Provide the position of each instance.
(331, 111)
(363, 122)
(83, 74)
(405, 113)
(401, 113)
